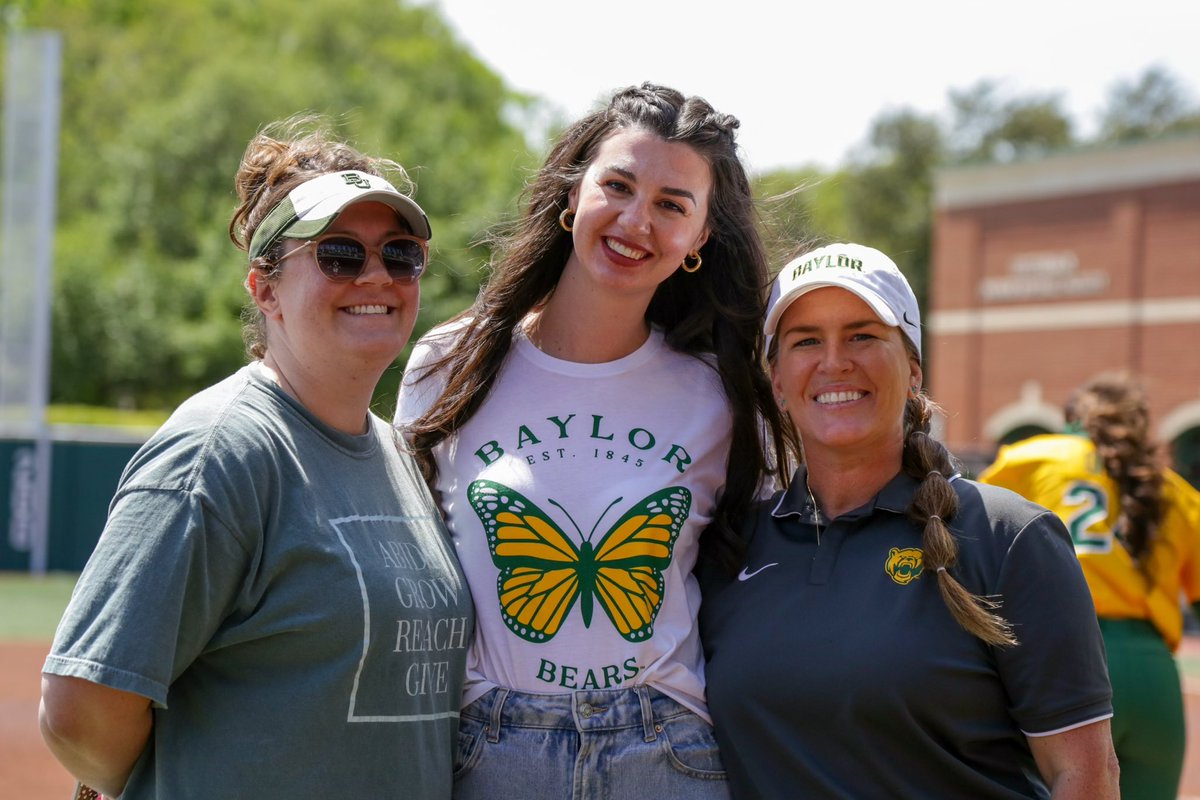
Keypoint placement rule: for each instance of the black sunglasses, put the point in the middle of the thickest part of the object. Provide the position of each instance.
(343, 258)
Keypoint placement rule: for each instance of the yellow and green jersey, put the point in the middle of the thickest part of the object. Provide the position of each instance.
(1064, 473)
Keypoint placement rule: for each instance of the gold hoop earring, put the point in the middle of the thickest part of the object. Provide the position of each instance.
(692, 261)
(566, 220)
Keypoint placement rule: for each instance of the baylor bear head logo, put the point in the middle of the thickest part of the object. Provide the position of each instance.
(905, 564)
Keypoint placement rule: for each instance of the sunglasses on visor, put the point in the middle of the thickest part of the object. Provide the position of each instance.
(343, 258)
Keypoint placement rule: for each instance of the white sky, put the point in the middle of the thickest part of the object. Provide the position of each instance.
(806, 79)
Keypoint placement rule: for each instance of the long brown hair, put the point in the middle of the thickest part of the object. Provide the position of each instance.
(717, 310)
(1112, 410)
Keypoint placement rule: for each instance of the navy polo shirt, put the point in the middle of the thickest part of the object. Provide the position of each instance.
(835, 669)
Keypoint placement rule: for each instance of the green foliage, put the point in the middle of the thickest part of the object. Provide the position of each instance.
(883, 196)
(989, 127)
(880, 198)
(889, 191)
(160, 98)
(159, 101)
(1153, 105)
(103, 416)
(800, 209)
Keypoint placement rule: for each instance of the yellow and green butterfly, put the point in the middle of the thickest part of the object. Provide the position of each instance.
(543, 573)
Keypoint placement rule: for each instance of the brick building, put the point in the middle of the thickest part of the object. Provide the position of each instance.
(1048, 271)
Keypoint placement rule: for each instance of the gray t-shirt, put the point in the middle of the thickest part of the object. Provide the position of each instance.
(286, 596)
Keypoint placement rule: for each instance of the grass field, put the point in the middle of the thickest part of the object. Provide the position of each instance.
(33, 604)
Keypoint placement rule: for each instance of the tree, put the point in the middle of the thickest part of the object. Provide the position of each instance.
(889, 191)
(883, 196)
(1152, 105)
(159, 101)
(799, 208)
(988, 126)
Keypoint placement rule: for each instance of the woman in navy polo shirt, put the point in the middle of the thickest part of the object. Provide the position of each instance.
(894, 629)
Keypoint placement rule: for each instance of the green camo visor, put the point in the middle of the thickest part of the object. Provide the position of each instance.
(311, 208)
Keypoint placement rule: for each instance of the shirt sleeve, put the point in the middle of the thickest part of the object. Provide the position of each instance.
(163, 576)
(419, 389)
(1016, 475)
(1056, 676)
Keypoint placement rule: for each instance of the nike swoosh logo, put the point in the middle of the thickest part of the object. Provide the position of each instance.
(745, 576)
(909, 321)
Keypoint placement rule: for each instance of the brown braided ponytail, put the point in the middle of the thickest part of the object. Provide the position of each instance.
(1112, 410)
(925, 459)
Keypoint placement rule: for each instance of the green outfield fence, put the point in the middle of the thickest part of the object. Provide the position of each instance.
(84, 472)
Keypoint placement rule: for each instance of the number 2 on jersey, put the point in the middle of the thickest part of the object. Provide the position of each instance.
(1092, 501)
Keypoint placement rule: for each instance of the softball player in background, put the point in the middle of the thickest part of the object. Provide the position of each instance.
(1136, 528)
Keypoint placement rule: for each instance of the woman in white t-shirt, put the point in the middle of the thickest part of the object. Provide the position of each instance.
(596, 410)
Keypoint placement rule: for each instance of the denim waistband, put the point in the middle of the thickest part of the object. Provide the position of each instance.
(583, 711)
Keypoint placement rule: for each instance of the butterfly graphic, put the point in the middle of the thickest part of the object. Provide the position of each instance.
(543, 573)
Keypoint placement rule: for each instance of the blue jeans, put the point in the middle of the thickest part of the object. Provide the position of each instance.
(585, 745)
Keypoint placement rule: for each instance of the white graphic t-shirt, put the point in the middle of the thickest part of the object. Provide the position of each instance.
(576, 497)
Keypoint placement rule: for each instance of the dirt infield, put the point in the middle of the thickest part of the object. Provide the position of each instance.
(27, 770)
(1189, 667)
